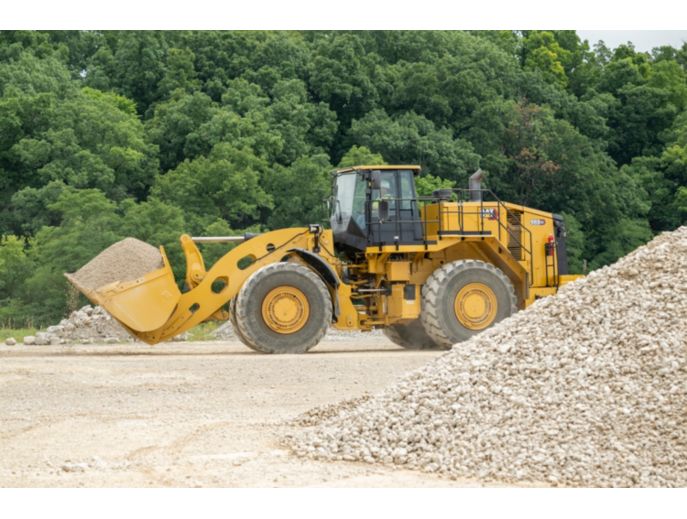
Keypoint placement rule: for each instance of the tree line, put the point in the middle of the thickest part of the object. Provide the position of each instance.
(153, 133)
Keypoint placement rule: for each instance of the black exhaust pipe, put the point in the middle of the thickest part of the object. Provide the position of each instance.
(476, 186)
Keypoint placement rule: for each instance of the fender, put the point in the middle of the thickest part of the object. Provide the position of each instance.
(325, 271)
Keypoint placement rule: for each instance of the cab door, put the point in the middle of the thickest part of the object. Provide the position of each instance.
(393, 212)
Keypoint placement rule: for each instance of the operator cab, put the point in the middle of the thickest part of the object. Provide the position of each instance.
(375, 205)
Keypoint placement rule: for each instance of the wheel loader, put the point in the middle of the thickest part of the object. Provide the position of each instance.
(429, 271)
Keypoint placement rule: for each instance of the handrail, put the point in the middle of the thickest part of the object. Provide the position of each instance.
(523, 241)
(501, 205)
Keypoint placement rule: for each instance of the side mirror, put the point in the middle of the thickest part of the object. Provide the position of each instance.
(376, 179)
(383, 210)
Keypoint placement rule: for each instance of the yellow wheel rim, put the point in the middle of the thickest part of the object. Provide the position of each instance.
(285, 310)
(475, 306)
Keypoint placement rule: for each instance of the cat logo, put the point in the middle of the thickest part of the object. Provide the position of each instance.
(490, 214)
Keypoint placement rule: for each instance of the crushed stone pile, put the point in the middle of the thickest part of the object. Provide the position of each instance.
(319, 414)
(585, 388)
(86, 325)
(125, 260)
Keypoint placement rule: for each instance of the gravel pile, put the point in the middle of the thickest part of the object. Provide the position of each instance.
(587, 388)
(125, 260)
(319, 414)
(87, 325)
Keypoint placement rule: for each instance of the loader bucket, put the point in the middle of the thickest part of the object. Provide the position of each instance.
(142, 304)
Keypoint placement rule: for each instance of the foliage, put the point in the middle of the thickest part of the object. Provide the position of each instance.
(224, 184)
(15, 267)
(300, 192)
(360, 155)
(414, 139)
(427, 184)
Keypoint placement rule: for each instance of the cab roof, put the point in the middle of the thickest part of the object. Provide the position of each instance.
(416, 169)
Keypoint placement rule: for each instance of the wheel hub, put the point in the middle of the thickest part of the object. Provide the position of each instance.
(475, 306)
(285, 309)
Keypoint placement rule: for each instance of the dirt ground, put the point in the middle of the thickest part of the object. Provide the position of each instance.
(184, 414)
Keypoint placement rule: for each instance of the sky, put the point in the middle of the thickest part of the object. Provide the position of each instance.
(643, 41)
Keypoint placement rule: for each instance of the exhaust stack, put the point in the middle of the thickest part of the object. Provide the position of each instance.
(476, 186)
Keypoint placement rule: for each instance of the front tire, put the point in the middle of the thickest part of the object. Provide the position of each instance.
(283, 308)
(232, 318)
(464, 297)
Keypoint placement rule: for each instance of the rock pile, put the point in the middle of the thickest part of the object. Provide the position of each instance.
(319, 414)
(586, 388)
(86, 325)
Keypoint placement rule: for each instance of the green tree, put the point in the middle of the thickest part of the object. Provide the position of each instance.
(299, 192)
(413, 139)
(542, 52)
(340, 75)
(225, 184)
(427, 184)
(359, 156)
(94, 140)
(574, 243)
(30, 208)
(644, 113)
(681, 202)
(175, 124)
(52, 130)
(180, 73)
(15, 268)
(132, 64)
(305, 128)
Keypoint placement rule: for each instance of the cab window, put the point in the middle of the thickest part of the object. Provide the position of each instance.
(407, 189)
(386, 191)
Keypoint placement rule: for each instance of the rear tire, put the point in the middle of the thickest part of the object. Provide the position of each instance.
(411, 336)
(462, 298)
(283, 308)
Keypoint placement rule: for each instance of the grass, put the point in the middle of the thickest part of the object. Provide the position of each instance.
(202, 332)
(17, 333)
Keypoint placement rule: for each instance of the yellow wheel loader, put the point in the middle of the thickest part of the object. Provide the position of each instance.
(429, 271)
